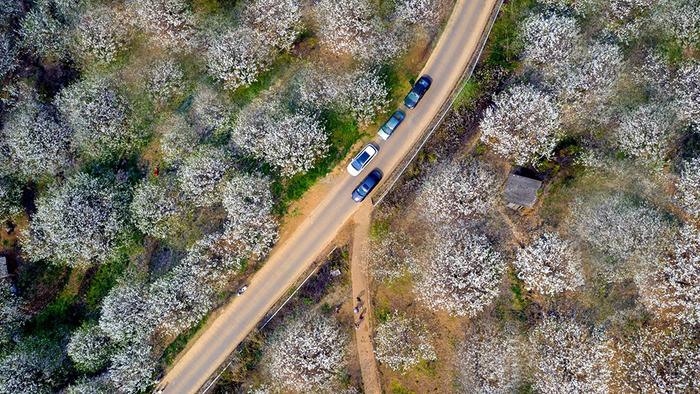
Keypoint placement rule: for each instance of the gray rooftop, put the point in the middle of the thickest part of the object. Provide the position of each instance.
(521, 191)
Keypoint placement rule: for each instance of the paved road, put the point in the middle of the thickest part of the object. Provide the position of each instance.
(289, 260)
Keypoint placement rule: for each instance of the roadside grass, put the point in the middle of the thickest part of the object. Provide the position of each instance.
(180, 342)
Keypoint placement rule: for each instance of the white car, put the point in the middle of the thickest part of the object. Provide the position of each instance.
(362, 159)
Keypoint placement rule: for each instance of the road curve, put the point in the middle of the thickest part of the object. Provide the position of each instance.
(289, 260)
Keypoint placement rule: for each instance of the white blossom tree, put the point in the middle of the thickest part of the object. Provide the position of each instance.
(550, 265)
(623, 230)
(98, 115)
(657, 360)
(12, 313)
(165, 80)
(419, 12)
(153, 207)
(306, 354)
(522, 125)
(248, 201)
(77, 223)
(96, 385)
(680, 19)
(238, 57)
(125, 313)
(201, 174)
(457, 190)
(567, 357)
(671, 288)
(389, 256)
(688, 187)
(278, 21)
(132, 368)
(170, 23)
(100, 35)
(551, 41)
(177, 139)
(351, 28)
(37, 139)
(90, 348)
(180, 299)
(362, 92)
(23, 371)
(44, 30)
(291, 142)
(644, 133)
(8, 54)
(209, 113)
(687, 89)
(462, 273)
(488, 362)
(402, 342)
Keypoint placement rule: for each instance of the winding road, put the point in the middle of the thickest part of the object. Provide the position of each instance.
(459, 42)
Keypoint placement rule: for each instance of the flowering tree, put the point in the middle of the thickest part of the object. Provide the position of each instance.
(98, 115)
(209, 113)
(170, 23)
(125, 313)
(29, 369)
(568, 358)
(164, 80)
(100, 35)
(362, 92)
(688, 187)
(687, 88)
(89, 348)
(350, 28)
(656, 360)
(180, 299)
(177, 139)
(278, 21)
(522, 125)
(455, 190)
(621, 229)
(306, 354)
(292, 142)
(132, 368)
(152, 208)
(672, 287)
(550, 265)
(44, 30)
(401, 343)
(419, 12)
(248, 201)
(12, 315)
(550, 42)
(37, 140)
(644, 133)
(488, 362)
(238, 57)
(390, 256)
(98, 384)
(461, 275)
(8, 54)
(201, 174)
(680, 19)
(76, 223)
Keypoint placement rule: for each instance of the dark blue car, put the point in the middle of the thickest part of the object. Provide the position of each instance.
(391, 125)
(366, 186)
(419, 88)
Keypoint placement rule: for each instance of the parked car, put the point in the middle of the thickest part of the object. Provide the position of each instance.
(367, 185)
(242, 290)
(388, 128)
(362, 159)
(419, 88)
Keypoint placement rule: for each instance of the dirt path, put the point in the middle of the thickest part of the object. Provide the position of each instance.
(360, 288)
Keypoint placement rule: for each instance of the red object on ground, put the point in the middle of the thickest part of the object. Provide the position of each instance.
(155, 171)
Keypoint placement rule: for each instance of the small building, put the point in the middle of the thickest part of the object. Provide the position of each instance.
(521, 192)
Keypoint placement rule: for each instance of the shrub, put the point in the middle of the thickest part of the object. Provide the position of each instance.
(152, 207)
(488, 362)
(238, 57)
(165, 80)
(89, 348)
(100, 35)
(201, 174)
(170, 23)
(550, 265)
(401, 343)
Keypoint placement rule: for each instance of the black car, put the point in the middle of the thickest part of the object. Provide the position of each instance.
(419, 88)
(366, 186)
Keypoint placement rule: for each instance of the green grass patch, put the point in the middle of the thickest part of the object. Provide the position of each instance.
(379, 229)
(105, 278)
(470, 92)
(504, 45)
(246, 94)
(397, 388)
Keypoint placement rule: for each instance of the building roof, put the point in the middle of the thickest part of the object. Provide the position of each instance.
(522, 191)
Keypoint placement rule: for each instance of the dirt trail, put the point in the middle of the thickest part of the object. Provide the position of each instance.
(360, 288)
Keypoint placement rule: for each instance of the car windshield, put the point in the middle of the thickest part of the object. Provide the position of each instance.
(360, 161)
(413, 96)
(392, 123)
